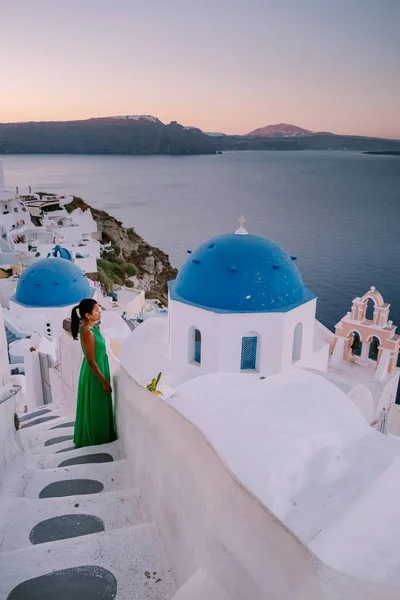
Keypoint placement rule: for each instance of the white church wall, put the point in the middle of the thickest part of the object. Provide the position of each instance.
(221, 339)
(304, 317)
(208, 519)
(319, 359)
(362, 398)
(267, 327)
(183, 319)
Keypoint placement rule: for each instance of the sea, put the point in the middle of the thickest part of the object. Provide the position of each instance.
(338, 212)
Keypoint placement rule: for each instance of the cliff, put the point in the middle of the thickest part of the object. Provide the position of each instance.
(129, 259)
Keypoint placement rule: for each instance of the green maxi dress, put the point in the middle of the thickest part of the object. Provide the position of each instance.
(94, 423)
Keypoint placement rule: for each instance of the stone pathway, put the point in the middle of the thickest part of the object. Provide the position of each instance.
(71, 523)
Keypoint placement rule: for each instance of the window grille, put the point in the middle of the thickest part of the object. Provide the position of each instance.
(197, 346)
(249, 353)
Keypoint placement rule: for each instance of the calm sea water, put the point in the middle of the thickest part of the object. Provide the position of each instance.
(338, 212)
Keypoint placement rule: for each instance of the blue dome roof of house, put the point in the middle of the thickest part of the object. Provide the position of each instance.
(240, 273)
(52, 282)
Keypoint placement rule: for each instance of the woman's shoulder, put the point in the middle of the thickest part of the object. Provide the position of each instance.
(86, 333)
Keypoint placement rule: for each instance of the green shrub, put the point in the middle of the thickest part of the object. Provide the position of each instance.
(131, 269)
(105, 281)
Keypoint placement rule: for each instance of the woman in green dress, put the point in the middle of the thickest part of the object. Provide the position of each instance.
(94, 423)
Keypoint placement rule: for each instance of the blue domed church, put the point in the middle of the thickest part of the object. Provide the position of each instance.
(238, 305)
(46, 292)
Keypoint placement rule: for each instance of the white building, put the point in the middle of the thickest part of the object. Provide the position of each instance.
(32, 225)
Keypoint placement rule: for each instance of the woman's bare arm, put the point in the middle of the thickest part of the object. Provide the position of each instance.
(89, 345)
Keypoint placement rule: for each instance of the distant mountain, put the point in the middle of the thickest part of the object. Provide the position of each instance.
(280, 130)
(130, 134)
(146, 134)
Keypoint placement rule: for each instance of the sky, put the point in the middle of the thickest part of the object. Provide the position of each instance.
(222, 65)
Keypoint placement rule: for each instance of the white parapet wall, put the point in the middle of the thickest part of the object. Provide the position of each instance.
(208, 520)
(10, 443)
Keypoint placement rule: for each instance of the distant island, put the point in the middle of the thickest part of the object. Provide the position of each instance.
(145, 134)
(384, 152)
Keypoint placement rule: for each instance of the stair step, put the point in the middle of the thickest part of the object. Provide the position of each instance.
(85, 582)
(67, 449)
(133, 555)
(35, 437)
(51, 461)
(64, 527)
(87, 459)
(62, 425)
(20, 515)
(38, 421)
(31, 415)
(29, 483)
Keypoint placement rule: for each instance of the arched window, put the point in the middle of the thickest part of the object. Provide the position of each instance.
(370, 307)
(195, 345)
(297, 341)
(249, 353)
(374, 348)
(356, 344)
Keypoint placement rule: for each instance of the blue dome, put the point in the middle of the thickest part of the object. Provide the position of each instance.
(240, 273)
(52, 282)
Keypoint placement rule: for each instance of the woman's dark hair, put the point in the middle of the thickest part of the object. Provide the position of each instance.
(84, 307)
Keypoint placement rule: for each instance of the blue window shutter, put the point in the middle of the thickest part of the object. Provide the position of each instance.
(197, 346)
(249, 353)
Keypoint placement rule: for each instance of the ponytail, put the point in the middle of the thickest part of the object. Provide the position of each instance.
(79, 313)
(75, 321)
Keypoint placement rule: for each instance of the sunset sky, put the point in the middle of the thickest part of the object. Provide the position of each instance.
(222, 65)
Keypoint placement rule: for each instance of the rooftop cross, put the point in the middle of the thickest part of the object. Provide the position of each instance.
(241, 230)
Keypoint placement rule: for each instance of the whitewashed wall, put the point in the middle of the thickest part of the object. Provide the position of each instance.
(221, 339)
(10, 443)
(70, 364)
(208, 519)
(33, 379)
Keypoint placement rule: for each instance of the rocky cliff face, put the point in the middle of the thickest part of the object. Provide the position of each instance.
(128, 249)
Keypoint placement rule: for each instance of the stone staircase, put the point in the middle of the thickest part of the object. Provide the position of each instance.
(11, 337)
(72, 525)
